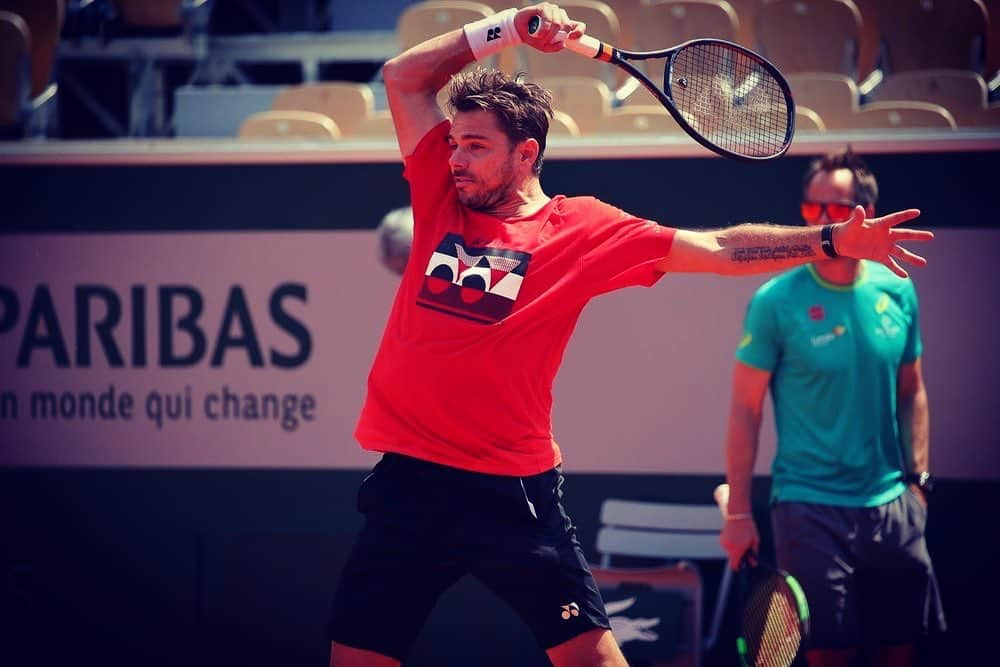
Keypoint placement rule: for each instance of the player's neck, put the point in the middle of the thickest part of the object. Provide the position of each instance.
(522, 201)
(840, 271)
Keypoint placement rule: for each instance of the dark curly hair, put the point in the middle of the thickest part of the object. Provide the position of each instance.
(865, 185)
(522, 108)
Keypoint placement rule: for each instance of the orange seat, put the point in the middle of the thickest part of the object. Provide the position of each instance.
(348, 104)
(834, 97)
(423, 20)
(640, 119)
(602, 23)
(151, 13)
(586, 99)
(902, 115)
(918, 34)
(44, 20)
(807, 120)
(815, 36)
(667, 23)
(379, 124)
(962, 92)
(15, 75)
(289, 125)
(746, 13)
(563, 125)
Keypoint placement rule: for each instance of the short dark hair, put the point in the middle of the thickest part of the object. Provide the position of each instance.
(522, 108)
(865, 185)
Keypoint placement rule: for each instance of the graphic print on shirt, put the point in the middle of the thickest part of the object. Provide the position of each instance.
(479, 284)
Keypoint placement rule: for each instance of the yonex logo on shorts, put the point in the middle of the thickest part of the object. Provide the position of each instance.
(570, 610)
(493, 33)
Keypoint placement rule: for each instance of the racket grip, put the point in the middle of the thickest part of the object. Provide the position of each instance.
(585, 45)
(721, 495)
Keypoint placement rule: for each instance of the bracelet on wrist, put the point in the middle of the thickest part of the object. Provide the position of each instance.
(826, 241)
(739, 517)
(492, 34)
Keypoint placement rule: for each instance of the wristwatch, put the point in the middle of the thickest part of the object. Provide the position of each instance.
(922, 479)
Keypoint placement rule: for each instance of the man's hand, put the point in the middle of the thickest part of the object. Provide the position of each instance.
(739, 537)
(878, 239)
(554, 21)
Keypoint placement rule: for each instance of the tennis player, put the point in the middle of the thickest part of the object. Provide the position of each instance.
(460, 394)
(838, 344)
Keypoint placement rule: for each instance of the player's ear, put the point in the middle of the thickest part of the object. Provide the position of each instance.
(527, 152)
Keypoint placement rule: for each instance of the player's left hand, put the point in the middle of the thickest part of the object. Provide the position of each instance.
(878, 239)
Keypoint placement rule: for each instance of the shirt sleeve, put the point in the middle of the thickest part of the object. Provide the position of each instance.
(759, 346)
(622, 250)
(914, 345)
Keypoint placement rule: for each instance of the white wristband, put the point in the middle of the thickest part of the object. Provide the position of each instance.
(492, 34)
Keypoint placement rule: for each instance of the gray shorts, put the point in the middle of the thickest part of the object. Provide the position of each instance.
(865, 571)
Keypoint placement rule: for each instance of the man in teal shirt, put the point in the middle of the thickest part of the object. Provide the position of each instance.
(838, 343)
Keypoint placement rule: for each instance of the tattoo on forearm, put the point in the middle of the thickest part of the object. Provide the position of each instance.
(762, 253)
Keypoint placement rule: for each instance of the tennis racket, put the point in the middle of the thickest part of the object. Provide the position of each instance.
(727, 98)
(774, 614)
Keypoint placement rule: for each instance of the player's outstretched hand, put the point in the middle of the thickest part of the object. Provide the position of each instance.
(553, 22)
(878, 239)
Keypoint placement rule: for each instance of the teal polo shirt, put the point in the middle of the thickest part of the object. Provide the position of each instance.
(834, 352)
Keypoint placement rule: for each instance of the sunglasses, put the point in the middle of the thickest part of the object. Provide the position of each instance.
(836, 211)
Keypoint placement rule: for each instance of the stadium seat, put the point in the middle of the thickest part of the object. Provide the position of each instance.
(902, 115)
(815, 36)
(869, 50)
(151, 13)
(635, 95)
(640, 119)
(586, 99)
(348, 104)
(990, 117)
(807, 120)
(162, 17)
(992, 67)
(379, 124)
(44, 20)
(424, 20)
(289, 125)
(746, 14)
(563, 125)
(962, 92)
(834, 97)
(430, 18)
(919, 34)
(602, 23)
(677, 536)
(669, 22)
(15, 73)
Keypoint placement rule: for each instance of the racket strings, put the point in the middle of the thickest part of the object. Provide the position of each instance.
(730, 98)
(771, 626)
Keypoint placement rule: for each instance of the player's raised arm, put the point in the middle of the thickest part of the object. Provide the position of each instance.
(414, 77)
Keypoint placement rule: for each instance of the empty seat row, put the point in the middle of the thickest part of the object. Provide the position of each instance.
(584, 107)
(849, 37)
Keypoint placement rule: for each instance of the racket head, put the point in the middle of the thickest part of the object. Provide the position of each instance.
(730, 99)
(774, 617)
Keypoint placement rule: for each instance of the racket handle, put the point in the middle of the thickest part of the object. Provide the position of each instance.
(721, 495)
(586, 45)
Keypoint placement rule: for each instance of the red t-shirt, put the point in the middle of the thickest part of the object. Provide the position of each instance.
(463, 376)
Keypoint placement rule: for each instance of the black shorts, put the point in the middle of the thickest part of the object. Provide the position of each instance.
(865, 571)
(427, 525)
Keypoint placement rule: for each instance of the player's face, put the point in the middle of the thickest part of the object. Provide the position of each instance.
(482, 160)
(829, 197)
